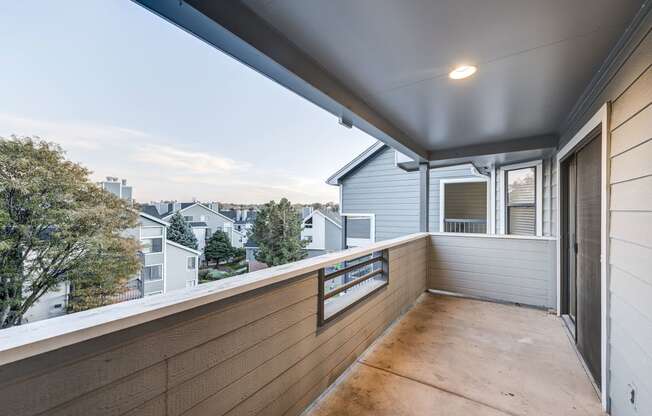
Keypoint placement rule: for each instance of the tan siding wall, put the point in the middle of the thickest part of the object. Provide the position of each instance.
(261, 353)
(631, 233)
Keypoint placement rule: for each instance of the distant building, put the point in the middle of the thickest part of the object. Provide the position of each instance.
(322, 229)
(118, 187)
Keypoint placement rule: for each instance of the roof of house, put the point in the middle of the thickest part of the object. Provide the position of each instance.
(181, 246)
(334, 217)
(150, 210)
(186, 205)
(153, 218)
(233, 215)
(357, 161)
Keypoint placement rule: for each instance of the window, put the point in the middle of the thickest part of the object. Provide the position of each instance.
(308, 223)
(209, 233)
(465, 205)
(307, 238)
(188, 218)
(152, 273)
(152, 245)
(360, 229)
(521, 207)
(192, 263)
(344, 284)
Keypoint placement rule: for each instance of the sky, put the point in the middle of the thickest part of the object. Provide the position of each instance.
(128, 94)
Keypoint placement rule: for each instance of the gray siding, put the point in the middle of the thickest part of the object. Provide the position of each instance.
(258, 353)
(630, 291)
(520, 270)
(176, 268)
(379, 187)
(333, 237)
(392, 194)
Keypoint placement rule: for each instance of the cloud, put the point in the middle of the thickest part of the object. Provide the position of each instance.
(160, 170)
(88, 136)
(188, 162)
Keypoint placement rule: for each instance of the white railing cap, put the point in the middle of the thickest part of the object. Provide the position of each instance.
(35, 338)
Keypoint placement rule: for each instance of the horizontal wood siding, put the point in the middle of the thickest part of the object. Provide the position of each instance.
(392, 194)
(258, 353)
(630, 291)
(506, 269)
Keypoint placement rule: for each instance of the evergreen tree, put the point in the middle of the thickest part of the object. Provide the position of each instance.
(180, 232)
(218, 247)
(277, 231)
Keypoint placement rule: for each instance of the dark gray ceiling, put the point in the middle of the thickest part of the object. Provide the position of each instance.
(534, 57)
(383, 64)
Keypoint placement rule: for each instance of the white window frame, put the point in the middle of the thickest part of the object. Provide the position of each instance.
(188, 258)
(538, 165)
(442, 199)
(151, 281)
(372, 226)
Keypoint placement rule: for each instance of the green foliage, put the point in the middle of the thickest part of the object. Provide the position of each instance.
(56, 226)
(180, 232)
(277, 231)
(219, 248)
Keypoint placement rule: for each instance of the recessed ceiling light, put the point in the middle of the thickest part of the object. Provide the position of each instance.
(462, 71)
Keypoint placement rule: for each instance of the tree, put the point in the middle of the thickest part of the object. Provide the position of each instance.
(180, 232)
(56, 226)
(277, 231)
(218, 247)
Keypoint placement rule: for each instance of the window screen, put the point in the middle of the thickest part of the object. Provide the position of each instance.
(152, 273)
(152, 245)
(358, 227)
(520, 201)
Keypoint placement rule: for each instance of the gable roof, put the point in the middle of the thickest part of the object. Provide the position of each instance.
(150, 210)
(329, 215)
(181, 246)
(152, 218)
(361, 158)
(186, 205)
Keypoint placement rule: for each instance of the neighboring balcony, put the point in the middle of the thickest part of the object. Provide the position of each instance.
(272, 341)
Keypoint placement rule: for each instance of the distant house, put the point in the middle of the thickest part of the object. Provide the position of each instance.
(118, 187)
(243, 219)
(166, 266)
(323, 231)
(204, 219)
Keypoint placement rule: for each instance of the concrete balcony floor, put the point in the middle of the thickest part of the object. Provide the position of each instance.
(453, 356)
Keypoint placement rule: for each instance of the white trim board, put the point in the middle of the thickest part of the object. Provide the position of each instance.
(600, 118)
(538, 165)
(442, 196)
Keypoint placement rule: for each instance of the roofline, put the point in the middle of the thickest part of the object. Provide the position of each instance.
(181, 246)
(323, 215)
(362, 157)
(153, 218)
(203, 206)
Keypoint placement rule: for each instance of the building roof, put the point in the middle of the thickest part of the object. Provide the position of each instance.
(186, 205)
(181, 246)
(333, 217)
(150, 210)
(153, 218)
(357, 161)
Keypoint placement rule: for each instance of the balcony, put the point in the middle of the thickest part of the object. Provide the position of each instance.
(254, 344)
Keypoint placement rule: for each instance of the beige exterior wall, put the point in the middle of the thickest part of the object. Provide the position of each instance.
(260, 352)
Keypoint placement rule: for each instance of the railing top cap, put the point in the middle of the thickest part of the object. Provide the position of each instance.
(35, 338)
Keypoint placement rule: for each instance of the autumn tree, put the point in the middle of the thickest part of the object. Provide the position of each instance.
(56, 226)
(277, 231)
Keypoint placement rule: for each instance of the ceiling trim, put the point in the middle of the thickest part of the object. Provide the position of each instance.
(506, 146)
(237, 31)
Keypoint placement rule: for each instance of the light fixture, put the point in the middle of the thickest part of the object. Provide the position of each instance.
(462, 71)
